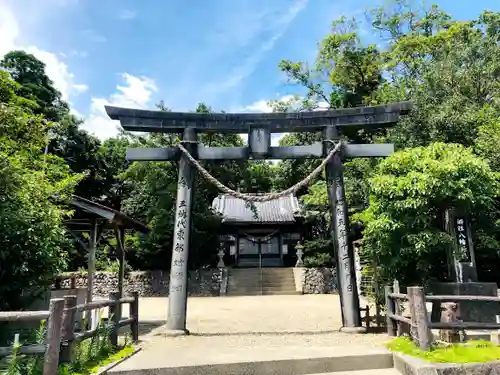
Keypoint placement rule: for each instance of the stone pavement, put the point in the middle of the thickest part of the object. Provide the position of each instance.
(227, 325)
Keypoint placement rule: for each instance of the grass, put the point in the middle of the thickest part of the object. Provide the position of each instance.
(470, 352)
(93, 366)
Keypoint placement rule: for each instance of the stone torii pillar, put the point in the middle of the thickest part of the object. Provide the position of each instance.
(259, 127)
(346, 273)
(177, 306)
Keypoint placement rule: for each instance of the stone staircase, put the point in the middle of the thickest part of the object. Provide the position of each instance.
(257, 281)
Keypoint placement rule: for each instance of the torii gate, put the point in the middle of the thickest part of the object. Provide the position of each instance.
(259, 127)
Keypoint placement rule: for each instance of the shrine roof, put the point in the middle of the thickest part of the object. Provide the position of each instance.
(284, 210)
(87, 210)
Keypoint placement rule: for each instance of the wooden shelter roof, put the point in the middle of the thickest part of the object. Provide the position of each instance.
(94, 211)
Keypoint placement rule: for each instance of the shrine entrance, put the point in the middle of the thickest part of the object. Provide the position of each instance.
(259, 251)
(259, 126)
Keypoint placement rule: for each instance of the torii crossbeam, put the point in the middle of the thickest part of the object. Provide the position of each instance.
(259, 127)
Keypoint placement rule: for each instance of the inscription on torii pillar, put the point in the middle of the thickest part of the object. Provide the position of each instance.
(259, 127)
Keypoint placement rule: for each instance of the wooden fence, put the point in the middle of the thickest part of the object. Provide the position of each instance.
(367, 318)
(418, 321)
(61, 337)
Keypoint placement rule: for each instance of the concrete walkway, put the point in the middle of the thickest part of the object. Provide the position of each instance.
(242, 325)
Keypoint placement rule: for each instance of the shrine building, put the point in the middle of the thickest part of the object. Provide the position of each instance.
(264, 235)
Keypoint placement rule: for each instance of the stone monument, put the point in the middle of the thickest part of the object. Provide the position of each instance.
(463, 273)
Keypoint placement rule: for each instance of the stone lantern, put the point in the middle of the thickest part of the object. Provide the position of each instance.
(300, 253)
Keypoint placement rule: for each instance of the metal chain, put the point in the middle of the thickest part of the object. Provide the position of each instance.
(266, 197)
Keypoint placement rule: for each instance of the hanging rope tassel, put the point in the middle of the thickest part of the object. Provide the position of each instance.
(266, 197)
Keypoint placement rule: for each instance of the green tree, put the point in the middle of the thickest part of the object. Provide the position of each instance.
(449, 69)
(67, 140)
(409, 192)
(34, 84)
(33, 189)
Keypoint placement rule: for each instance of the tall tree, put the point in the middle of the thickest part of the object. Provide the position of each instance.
(33, 190)
(29, 72)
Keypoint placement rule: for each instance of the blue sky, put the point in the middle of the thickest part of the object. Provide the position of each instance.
(137, 52)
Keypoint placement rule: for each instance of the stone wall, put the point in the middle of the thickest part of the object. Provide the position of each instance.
(321, 280)
(201, 283)
(151, 283)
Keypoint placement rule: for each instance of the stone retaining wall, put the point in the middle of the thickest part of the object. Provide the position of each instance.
(319, 281)
(150, 283)
(201, 283)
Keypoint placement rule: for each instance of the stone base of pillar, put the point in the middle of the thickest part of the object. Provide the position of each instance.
(355, 330)
(174, 332)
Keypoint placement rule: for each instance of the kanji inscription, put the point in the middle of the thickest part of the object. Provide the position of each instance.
(464, 253)
(343, 248)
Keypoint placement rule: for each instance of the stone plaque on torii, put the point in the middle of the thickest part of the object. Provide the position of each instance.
(259, 127)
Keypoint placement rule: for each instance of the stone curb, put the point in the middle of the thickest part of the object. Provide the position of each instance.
(104, 370)
(408, 365)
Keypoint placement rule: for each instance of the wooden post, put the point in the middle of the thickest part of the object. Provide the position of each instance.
(114, 315)
(53, 337)
(91, 268)
(367, 316)
(134, 313)
(177, 299)
(424, 334)
(378, 315)
(68, 329)
(73, 282)
(391, 310)
(397, 306)
(120, 245)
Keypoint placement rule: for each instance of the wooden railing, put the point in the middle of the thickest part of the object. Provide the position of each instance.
(367, 318)
(419, 323)
(61, 337)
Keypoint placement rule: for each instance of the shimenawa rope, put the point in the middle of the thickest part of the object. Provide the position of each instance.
(266, 197)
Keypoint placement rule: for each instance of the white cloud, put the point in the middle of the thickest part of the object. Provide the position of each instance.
(128, 14)
(266, 25)
(80, 87)
(77, 53)
(93, 36)
(56, 69)
(136, 92)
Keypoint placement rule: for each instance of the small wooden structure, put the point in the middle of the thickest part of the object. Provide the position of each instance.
(94, 219)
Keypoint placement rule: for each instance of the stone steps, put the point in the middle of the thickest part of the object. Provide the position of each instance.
(268, 281)
(260, 360)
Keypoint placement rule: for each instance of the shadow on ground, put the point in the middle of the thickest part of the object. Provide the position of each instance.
(145, 327)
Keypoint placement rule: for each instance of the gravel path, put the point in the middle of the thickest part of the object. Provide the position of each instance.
(242, 327)
(294, 320)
